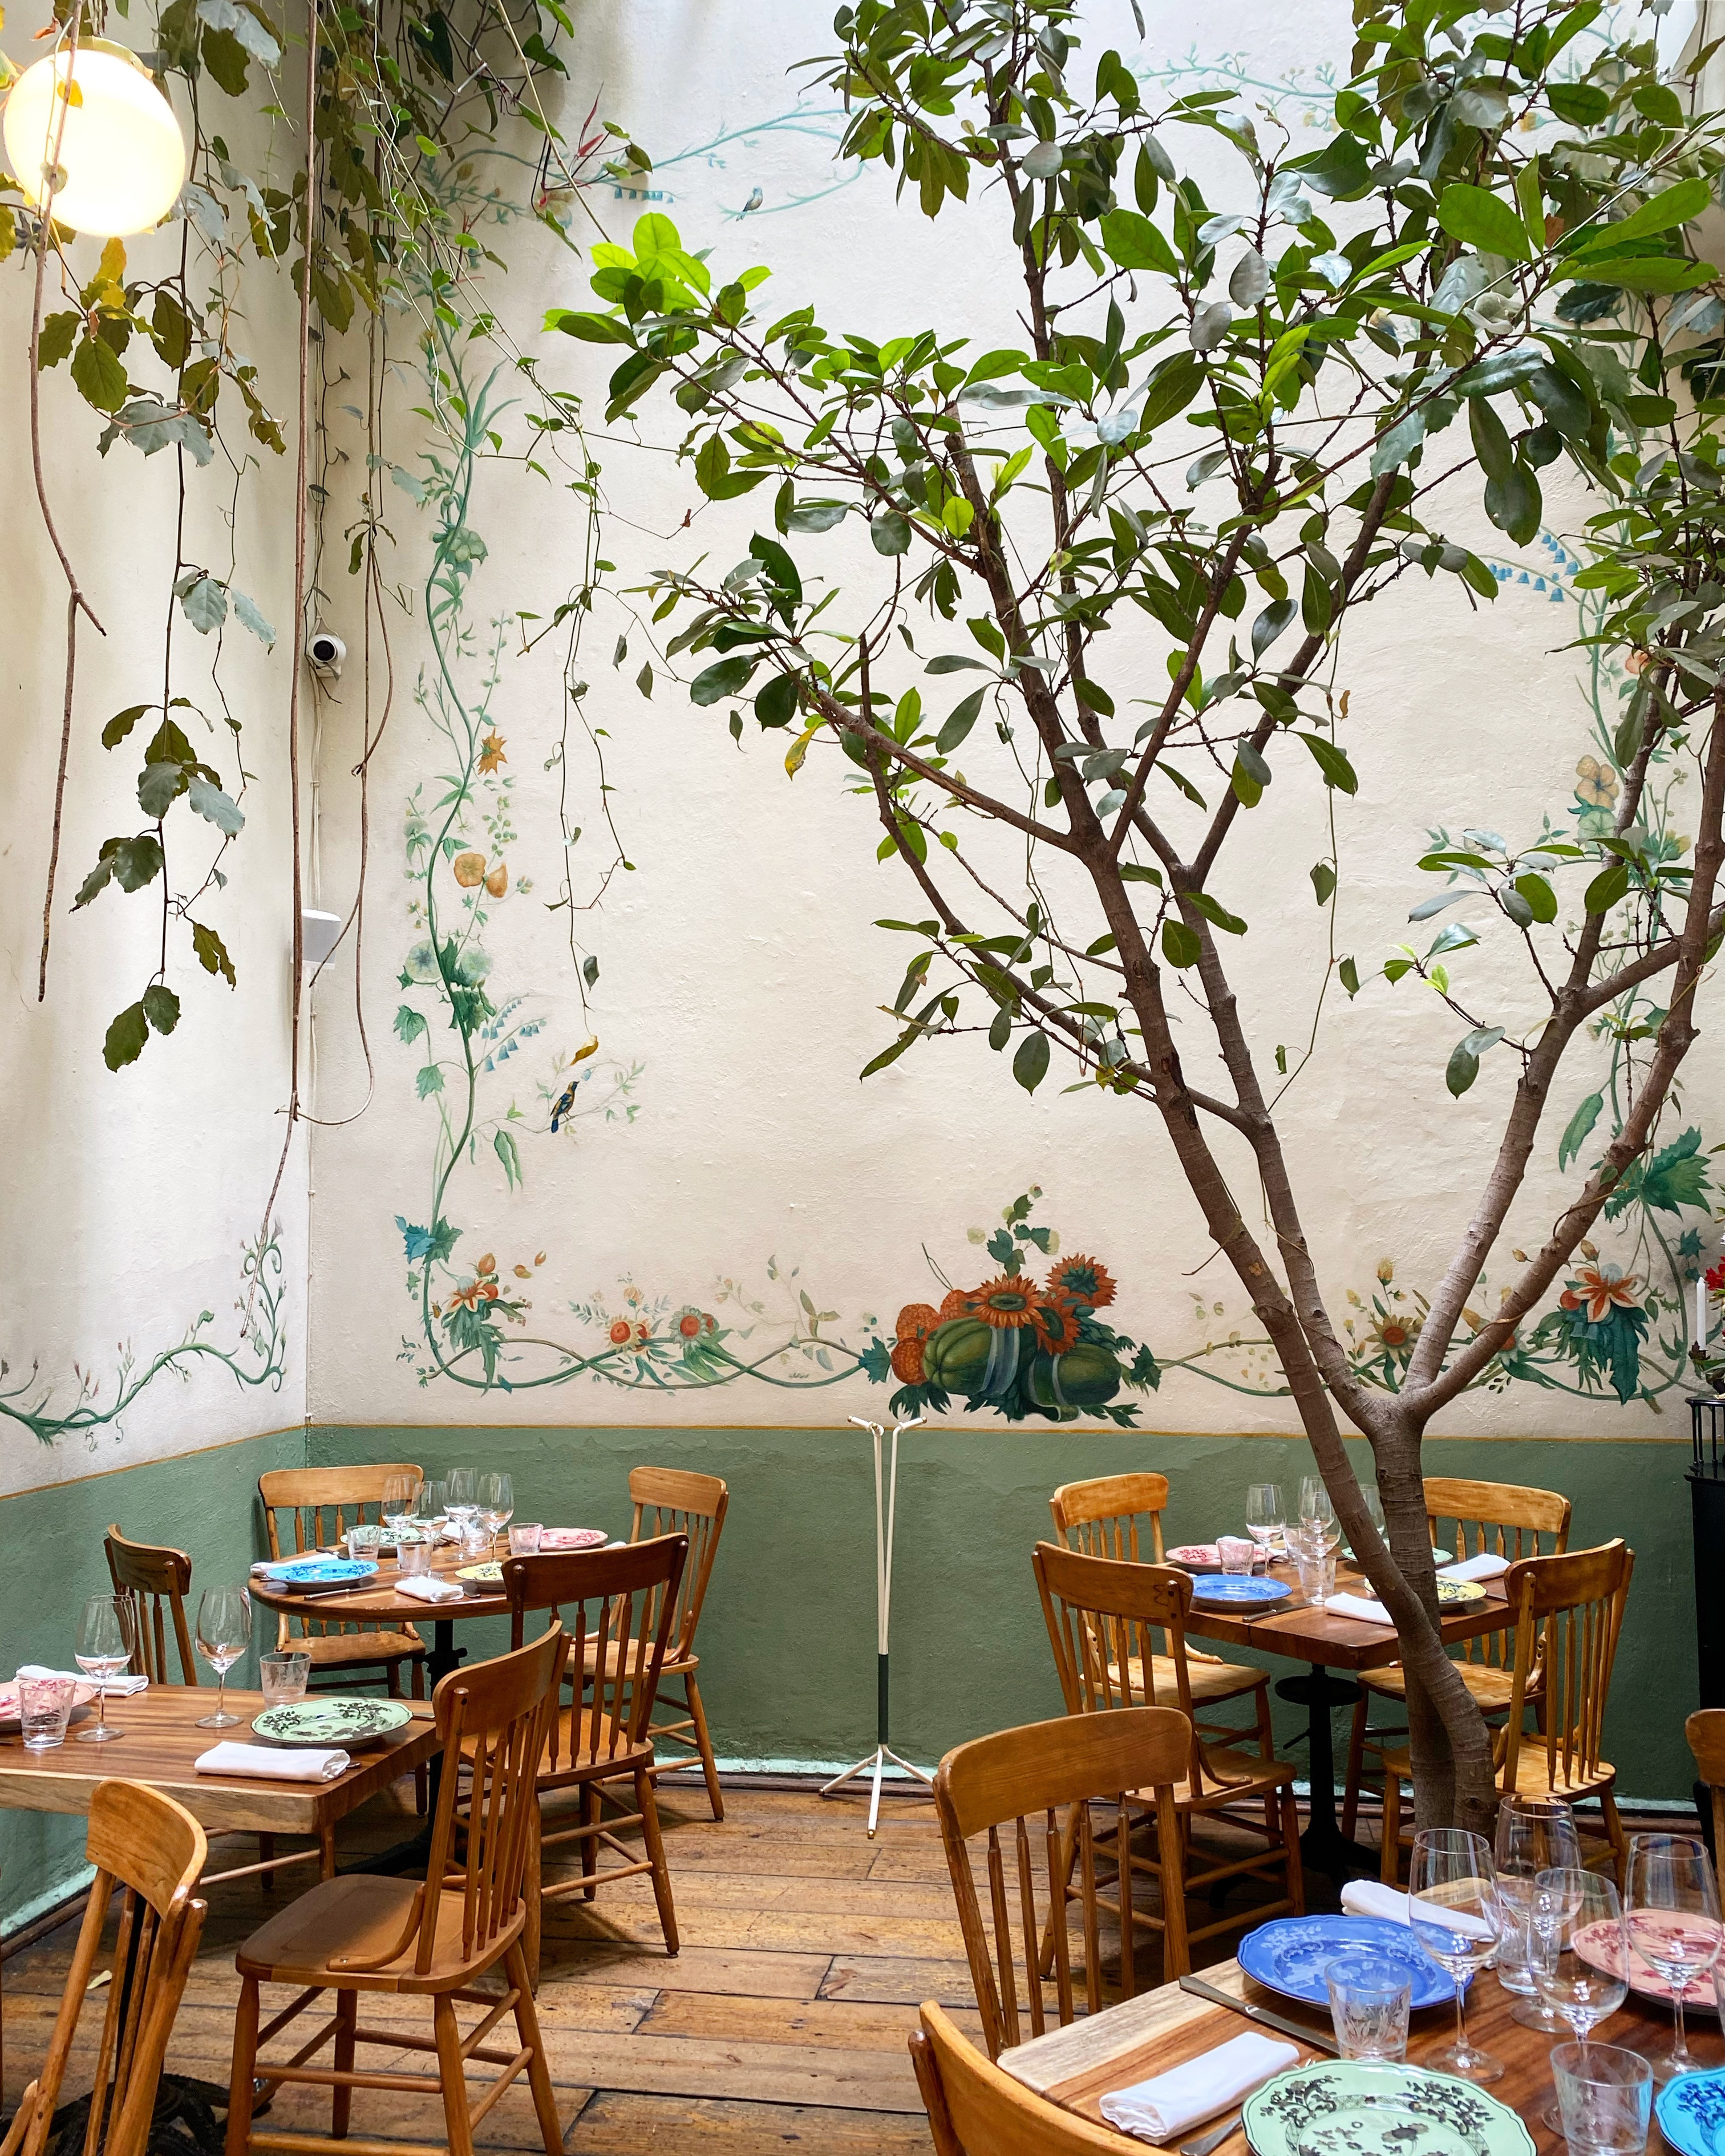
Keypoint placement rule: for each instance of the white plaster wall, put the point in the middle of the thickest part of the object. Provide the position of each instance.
(739, 968)
(126, 1198)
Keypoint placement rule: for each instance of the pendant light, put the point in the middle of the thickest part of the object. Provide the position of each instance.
(122, 157)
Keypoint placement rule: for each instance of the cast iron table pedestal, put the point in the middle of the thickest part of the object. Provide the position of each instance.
(1322, 1846)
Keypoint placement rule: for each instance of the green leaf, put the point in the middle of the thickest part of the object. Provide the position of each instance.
(1652, 273)
(1578, 103)
(205, 603)
(1170, 389)
(1490, 440)
(124, 1041)
(1479, 218)
(212, 952)
(1396, 444)
(100, 376)
(1270, 625)
(504, 1146)
(1180, 945)
(892, 532)
(429, 1080)
(1607, 887)
(963, 718)
(1200, 901)
(729, 677)
(590, 329)
(1463, 1068)
(1575, 1133)
(1330, 761)
(776, 706)
(122, 724)
(160, 785)
(1542, 901)
(1680, 204)
(1029, 1065)
(162, 1007)
(59, 333)
(211, 803)
(1514, 504)
(1133, 243)
(250, 615)
(1323, 881)
(1348, 972)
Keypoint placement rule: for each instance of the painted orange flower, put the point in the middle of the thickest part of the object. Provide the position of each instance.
(917, 1321)
(473, 1294)
(497, 880)
(688, 1325)
(1598, 1289)
(906, 1360)
(470, 870)
(492, 752)
(1396, 1333)
(1006, 1301)
(1057, 1324)
(955, 1303)
(622, 1332)
(488, 1263)
(1085, 1280)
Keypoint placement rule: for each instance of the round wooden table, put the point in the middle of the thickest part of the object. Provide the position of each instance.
(380, 1601)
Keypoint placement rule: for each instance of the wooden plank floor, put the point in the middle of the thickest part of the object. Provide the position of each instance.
(806, 1948)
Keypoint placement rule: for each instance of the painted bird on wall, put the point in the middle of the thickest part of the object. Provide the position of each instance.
(565, 1102)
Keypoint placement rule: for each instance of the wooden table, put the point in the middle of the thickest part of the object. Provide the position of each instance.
(1076, 2066)
(379, 1602)
(1297, 1629)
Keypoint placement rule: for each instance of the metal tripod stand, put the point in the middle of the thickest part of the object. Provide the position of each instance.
(885, 1508)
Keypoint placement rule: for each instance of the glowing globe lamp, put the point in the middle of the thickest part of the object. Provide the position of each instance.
(122, 158)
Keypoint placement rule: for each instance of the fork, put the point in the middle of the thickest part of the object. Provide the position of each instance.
(1214, 2139)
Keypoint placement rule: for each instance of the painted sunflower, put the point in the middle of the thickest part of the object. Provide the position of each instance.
(1083, 1279)
(1394, 1332)
(1005, 1302)
(1056, 1322)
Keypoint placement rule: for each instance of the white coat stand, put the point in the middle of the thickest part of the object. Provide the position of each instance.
(886, 1507)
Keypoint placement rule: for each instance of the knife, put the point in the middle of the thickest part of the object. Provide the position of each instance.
(1199, 1990)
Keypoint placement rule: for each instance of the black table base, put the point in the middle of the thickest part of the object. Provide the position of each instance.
(1324, 1846)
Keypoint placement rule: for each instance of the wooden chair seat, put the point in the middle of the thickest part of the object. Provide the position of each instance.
(1228, 1777)
(336, 1650)
(1531, 1778)
(1491, 1687)
(1210, 1678)
(586, 1745)
(357, 1918)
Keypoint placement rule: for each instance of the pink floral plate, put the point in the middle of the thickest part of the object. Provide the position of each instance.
(1601, 1945)
(10, 1725)
(572, 1538)
(1195, 1556)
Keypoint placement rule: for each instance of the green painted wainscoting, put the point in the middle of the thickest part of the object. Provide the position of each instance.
(787, 1638)
(205, 1503)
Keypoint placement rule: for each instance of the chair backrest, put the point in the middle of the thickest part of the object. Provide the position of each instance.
(1024, 1779)
(1706, 1731)
(1102, 1516)
(308, 1508)
(1499, 1519)
(618, 1607)
(1569, 1613)
(975, 2109)
(1100, 1612)
(148, 1851)
(670, 1501)
(155, 1584)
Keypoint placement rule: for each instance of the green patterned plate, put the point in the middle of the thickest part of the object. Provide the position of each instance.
(382, 1538)
(352, 1723)
(489, 1574)
(1349, 2108)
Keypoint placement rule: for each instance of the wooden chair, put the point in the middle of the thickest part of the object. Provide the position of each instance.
(1101, 1518)
(1568, 1614)
(974, 2109)
(150, 1850)
(1099, 1612)
(321, 1504)
(431, 1939)
(618, 1607)
(154, 1583)
(1052, 1769)
(668, 1501)
(1503, 1519)
(1706, 1731)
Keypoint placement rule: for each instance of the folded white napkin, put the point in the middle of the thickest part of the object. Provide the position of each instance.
(1158, 2109)
(427, 1587)
(310, 1765)
(1487, 1565)
(1371, 1898)
(116, 1687)
(1356, 1605)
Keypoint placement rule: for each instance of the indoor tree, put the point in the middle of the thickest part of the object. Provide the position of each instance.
(1487, 270)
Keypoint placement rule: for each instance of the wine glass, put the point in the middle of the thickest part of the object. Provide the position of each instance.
(1534, 1835)
(461, 1494)
(1570, 1907)
(1317, 1510)
(1673, 1903)
(224, 1632)
(104, 1649)
(431, 1511)
(1452, 1907)
(1265, 1518)
(496, 1502)
(397, 1509)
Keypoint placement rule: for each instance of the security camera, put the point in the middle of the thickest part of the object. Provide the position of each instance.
(328, 654)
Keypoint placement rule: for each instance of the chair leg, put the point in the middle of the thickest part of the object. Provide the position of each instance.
(416, 1679)
(245, 2060)
(1614, 1830)
(590, 1843)
(452, 2076)
(648, 1805)
(1266, 1738)
(342, 2093)
(1356, 1764)
(1390, 1865)
(1290, 1843)
(527, 2023)
(1058, 1892)
(704, 1744)
(1171, 1853)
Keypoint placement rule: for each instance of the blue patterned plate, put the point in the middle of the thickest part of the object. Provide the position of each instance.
(1242, 1590)
(1353, 2107)
(321, 1572)
(1691, 2111)
(1291, 1955)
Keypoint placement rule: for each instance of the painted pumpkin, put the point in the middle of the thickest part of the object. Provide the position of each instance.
(1087, 1376)
(955, 1356)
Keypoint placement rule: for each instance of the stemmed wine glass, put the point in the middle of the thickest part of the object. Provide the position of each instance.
(1569, 1907)
(397, 1509)
(431, 1511)
(1673, 1903)
(496, 1502)
(1452, 1906)
(104, 1649)
(1317, 1512)
(1535, 1834)
(1265, 1518)
(224, 1632)
(461, 1493)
